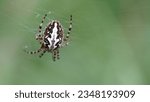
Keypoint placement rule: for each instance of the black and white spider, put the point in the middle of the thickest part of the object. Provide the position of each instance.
(52, 38)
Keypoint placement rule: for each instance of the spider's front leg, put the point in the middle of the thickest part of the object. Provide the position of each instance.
(66, 38)
(40, 37)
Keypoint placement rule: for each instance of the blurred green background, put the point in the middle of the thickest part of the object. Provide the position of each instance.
(110, 42)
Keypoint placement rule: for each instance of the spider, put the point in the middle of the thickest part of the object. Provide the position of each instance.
(52, 38)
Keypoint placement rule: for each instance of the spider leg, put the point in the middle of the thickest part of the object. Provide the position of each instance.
(39, 36)
(40, 26)
(42, 53)
(32, 52)
(54, 54)
(70, 27)
(66, 38)
(57, 53)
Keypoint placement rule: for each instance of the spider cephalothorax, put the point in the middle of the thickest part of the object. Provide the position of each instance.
(52, 38)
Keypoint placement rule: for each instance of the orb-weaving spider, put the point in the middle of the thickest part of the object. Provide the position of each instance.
(52, 38)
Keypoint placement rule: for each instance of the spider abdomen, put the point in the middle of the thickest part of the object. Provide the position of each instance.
(53, 35)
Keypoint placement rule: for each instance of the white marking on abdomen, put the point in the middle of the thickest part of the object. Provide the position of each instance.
(54, 36)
